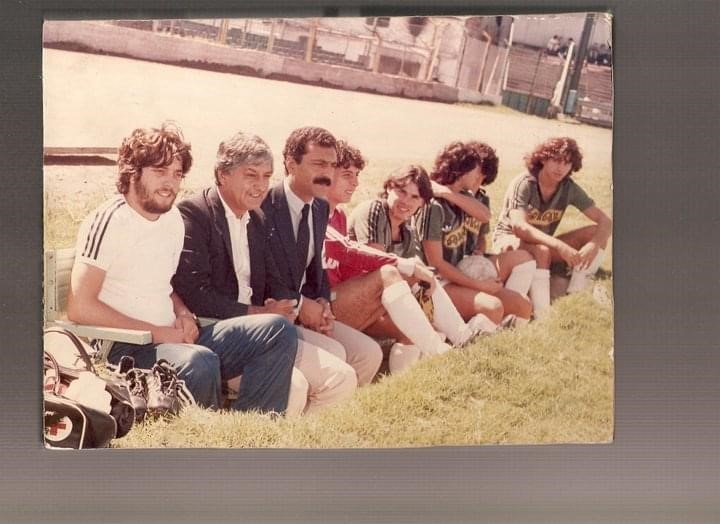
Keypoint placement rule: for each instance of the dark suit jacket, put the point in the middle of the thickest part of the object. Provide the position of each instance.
(205, 278)
(283, 247)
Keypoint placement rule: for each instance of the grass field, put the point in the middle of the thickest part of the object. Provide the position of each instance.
(549, 382)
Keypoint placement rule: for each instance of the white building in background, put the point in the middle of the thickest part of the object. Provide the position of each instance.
(536, 30)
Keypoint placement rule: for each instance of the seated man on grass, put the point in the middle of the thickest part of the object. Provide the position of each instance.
(226, 270)
(533, 207)
(126, 254)
(371, 287)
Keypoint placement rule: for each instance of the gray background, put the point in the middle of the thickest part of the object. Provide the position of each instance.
(665, 463)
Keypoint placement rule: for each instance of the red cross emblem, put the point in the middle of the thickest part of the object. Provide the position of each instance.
(60, 430)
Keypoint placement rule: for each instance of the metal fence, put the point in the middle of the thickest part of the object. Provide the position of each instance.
(302, 40)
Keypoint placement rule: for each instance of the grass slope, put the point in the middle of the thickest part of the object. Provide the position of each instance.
(549, 382)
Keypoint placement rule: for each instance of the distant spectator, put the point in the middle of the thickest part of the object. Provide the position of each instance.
(605, 55)
(565, 48)
(553, 45)
(593, 53)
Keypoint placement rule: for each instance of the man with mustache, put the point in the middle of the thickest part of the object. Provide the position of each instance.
(227, 271)
(126, 254)
(297, 218)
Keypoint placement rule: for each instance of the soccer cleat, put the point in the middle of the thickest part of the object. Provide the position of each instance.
(126, 364)
(163, 389)
(137, 384)
(476, 326)
(508, 322)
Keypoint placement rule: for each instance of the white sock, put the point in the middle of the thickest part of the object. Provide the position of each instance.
(521, 278)
(540, 292)
(520, 322)
(402, 357)
(446, 317)
(581, 277)
(408, 316)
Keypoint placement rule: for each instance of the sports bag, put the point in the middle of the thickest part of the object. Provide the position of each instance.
(72, 358)
(67, 422)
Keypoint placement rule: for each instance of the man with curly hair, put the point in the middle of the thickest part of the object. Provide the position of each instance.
(533, 207)
(453, 239)
(126, 254)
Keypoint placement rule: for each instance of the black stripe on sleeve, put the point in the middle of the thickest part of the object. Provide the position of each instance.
(98, 229)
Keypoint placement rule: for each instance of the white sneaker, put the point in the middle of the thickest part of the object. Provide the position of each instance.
(442, 348)
(477, 325)
(403, 357)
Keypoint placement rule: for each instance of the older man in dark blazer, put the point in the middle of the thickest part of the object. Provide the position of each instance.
(297, 217)
(226, 269)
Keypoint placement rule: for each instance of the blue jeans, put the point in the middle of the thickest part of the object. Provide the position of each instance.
(260, 347)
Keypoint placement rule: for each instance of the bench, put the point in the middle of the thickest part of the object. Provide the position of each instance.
(56, 286)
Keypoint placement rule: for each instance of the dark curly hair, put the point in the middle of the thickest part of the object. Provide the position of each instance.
(459, 158)
(562, 148)
(151, 148)
(348, 155)
(402, 177)
(296, 143)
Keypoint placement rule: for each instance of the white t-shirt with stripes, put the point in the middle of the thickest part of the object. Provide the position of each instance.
(139, 257)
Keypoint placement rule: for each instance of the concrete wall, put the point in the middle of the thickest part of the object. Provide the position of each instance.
(109, 39)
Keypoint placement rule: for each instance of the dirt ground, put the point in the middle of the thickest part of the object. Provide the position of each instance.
(94, 101)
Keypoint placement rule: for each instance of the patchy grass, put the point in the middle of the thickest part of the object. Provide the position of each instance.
(549, 382)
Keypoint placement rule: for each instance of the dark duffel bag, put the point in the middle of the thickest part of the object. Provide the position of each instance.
(67, 422)
(65, 347)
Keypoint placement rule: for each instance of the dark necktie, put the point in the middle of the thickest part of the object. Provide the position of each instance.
(303, 241)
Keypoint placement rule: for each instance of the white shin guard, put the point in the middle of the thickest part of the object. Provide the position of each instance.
(408, 316)
(446, 317)
(540, 292)
(521, 278)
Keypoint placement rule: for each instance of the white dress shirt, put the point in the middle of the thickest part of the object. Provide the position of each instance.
(240, 251)
(295, 204)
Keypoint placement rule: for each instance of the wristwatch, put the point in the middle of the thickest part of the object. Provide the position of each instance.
(193, 316)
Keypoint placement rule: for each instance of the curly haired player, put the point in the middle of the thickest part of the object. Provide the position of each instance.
(533, 207)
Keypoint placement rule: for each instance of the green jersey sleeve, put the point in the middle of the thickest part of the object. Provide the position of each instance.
(431, 222)
(579, 198)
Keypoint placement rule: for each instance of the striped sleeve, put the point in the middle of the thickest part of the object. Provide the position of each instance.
(95, 239)
(376, 223)
(430, 224)
(519, 194)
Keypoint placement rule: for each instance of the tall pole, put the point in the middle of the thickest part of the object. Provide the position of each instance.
(311, 41)
(271, 37)
(460, 58)
(223, 31)
(579, 61)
